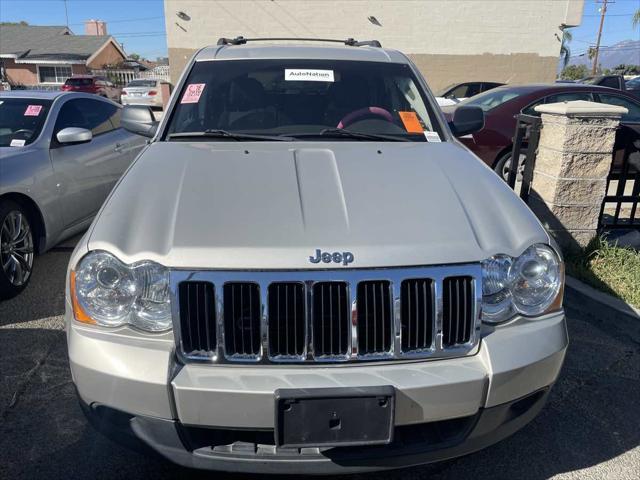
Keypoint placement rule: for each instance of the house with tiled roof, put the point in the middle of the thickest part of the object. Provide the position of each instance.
(45, 56)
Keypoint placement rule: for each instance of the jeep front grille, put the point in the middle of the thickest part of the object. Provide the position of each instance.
(326, 315)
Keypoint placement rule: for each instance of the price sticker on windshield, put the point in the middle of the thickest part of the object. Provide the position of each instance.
(192, 93)
(411, 122)
(32, 110)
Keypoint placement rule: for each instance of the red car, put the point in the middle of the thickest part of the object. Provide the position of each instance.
(494, 142)
(92, 84)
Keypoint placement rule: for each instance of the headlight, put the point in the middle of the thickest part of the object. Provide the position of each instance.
(528, 284)
(107, 292)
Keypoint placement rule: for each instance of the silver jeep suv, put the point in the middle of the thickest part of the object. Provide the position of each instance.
(305, 272)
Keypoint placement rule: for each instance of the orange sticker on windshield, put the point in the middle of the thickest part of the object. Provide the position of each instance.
(192, 93)
(411, 122)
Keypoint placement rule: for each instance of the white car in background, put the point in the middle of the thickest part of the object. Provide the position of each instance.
(456, 92)
(147, 92)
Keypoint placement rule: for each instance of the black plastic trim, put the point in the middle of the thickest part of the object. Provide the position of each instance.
(170, 439)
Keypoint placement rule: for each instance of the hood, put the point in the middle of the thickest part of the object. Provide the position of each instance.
(271, 205)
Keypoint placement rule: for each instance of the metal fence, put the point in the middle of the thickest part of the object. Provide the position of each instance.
(620, 207)
(121, 77)
(525, 140)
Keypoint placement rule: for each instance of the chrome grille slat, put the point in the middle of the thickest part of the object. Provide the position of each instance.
(241, 321)
(330, 321)
(457, 310)
(444, 305)
(286, 320)
(417, 315)
(375, 318)
(197, 317)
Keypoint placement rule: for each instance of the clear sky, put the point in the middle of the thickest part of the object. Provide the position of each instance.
(139, 24)
(617, 25)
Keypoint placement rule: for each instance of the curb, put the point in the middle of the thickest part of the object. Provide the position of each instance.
(601, 297)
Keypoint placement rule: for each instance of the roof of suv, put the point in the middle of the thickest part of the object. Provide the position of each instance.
(300, 51)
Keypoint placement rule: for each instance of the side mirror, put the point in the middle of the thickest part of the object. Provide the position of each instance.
(71, 135)
(139, 120)
(466, 120)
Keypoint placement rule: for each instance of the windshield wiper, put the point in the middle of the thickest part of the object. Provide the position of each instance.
(342, 133)
(212, 133)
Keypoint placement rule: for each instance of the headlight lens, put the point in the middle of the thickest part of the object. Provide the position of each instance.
(528, 284)
(112, 293)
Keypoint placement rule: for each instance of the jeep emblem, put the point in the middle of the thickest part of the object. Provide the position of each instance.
(336, 257)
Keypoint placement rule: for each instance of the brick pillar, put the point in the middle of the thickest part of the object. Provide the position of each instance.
(573, 161)
(166, 94)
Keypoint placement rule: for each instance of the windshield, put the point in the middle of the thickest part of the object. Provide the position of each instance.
(142, 83)
(303, 99)
(21, 120)
(491, 98)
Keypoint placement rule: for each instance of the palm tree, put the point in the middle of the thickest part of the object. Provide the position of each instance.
(565, 51)
(636, 18)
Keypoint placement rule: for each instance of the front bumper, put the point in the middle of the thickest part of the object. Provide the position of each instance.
(241, 451)
(478, 399)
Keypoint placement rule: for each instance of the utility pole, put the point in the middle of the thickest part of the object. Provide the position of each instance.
(66, 14)
(603, 12)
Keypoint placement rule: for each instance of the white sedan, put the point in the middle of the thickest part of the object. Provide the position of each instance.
(147, 92)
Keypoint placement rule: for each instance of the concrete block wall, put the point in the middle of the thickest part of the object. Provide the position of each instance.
(495, 40)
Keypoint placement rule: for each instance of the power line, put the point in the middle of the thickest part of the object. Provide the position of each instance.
(124, 20)
(611, 15)
(603, 12)
(608, 49)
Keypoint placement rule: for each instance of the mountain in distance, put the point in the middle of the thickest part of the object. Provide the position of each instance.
(626, 52)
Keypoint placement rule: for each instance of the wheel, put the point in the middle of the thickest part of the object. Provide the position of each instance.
(16, 249)
(503, 165)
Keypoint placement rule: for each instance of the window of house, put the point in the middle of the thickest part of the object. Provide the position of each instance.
(57, 74)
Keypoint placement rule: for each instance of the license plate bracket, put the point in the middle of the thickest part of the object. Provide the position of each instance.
(334, 417)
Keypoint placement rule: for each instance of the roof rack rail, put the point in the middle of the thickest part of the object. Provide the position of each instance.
(349, 41)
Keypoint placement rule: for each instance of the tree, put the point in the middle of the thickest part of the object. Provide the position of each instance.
(565, 51)
(134, 56)
(21, 23)
(626, 69)
(635, 21)
(574, 72)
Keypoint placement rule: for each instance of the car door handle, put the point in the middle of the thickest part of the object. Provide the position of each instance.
(119, 147)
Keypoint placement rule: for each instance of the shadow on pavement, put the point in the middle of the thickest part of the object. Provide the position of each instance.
(44, 296)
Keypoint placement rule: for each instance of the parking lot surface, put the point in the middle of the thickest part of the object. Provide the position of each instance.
(588, 430)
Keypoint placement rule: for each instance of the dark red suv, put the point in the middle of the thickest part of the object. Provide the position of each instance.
(92, 84)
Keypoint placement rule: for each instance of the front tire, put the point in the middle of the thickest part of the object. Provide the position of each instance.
(16, 249)
(503, 165)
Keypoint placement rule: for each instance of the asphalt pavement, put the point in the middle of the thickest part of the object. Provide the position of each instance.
(590, 428)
